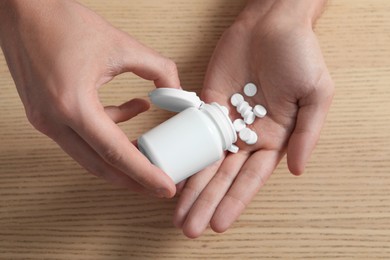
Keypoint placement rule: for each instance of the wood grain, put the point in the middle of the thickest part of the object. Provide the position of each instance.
(50, 208)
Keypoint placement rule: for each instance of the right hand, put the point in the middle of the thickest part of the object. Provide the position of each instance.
(59, 53)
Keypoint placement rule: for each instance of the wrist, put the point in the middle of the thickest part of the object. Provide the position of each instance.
(10, 13)
(21, 15)
(7, 10)
(298, 13)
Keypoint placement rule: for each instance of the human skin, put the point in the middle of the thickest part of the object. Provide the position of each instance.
(59, 54)
(271, 44)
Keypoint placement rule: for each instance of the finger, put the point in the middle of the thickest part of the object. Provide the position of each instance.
(203, 209)
(190, 192)
(127, 110)
(251, 178)
(81, 152)
(310, 120)
(180, 186)
(113, 146)
(148, 64)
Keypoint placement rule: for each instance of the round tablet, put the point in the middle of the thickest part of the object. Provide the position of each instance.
(239, 124)
(250, 89)
(233, 148)
(250, 118)
(241, 107)
(260, 111)
(245, 134)
(236, 99)
(252, 139)
(246, 111)
(225, 110)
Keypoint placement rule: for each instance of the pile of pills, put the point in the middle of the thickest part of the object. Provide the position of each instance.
(248, 114)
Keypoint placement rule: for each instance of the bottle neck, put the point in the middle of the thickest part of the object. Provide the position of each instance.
(223, 123)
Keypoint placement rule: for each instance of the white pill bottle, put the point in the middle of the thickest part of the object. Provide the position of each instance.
(189, 141)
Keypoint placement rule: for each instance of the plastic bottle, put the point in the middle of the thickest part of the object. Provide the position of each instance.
(189, 141)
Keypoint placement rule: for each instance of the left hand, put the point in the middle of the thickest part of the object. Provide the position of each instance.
(282, 57)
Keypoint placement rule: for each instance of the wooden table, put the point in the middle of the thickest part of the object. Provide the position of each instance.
(50, 208)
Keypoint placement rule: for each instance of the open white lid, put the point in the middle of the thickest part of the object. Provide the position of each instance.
(174, 100)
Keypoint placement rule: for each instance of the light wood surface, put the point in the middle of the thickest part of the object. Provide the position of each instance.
(50, 208)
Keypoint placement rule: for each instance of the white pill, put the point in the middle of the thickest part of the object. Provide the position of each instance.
(239, 124)
(233, 148)
(225, 110)
(236, 99)
(250, 89)
(250, 118)
(241, 107)
(245, 134)
(246, 111)
(252, 139)
(260, 111)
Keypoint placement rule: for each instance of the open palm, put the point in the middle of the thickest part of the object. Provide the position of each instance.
(293, 84)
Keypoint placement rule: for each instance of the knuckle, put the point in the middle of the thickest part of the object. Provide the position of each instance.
(39, 120)
(65, 110)
(170, 67)
(255, 176)
(112, 156)
(331, 89)
(99, 172)
(225, 175)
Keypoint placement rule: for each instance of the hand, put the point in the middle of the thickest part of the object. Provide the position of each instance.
(281, 55)
(59, 54)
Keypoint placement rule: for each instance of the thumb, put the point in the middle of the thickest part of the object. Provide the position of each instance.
(147, 63)
(310, 119)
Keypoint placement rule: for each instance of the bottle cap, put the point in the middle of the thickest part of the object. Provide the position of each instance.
(174, 100)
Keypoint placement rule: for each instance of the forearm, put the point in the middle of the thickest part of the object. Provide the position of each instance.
(297, 11)
(14, 13)
(7, 12)
(10, 10)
